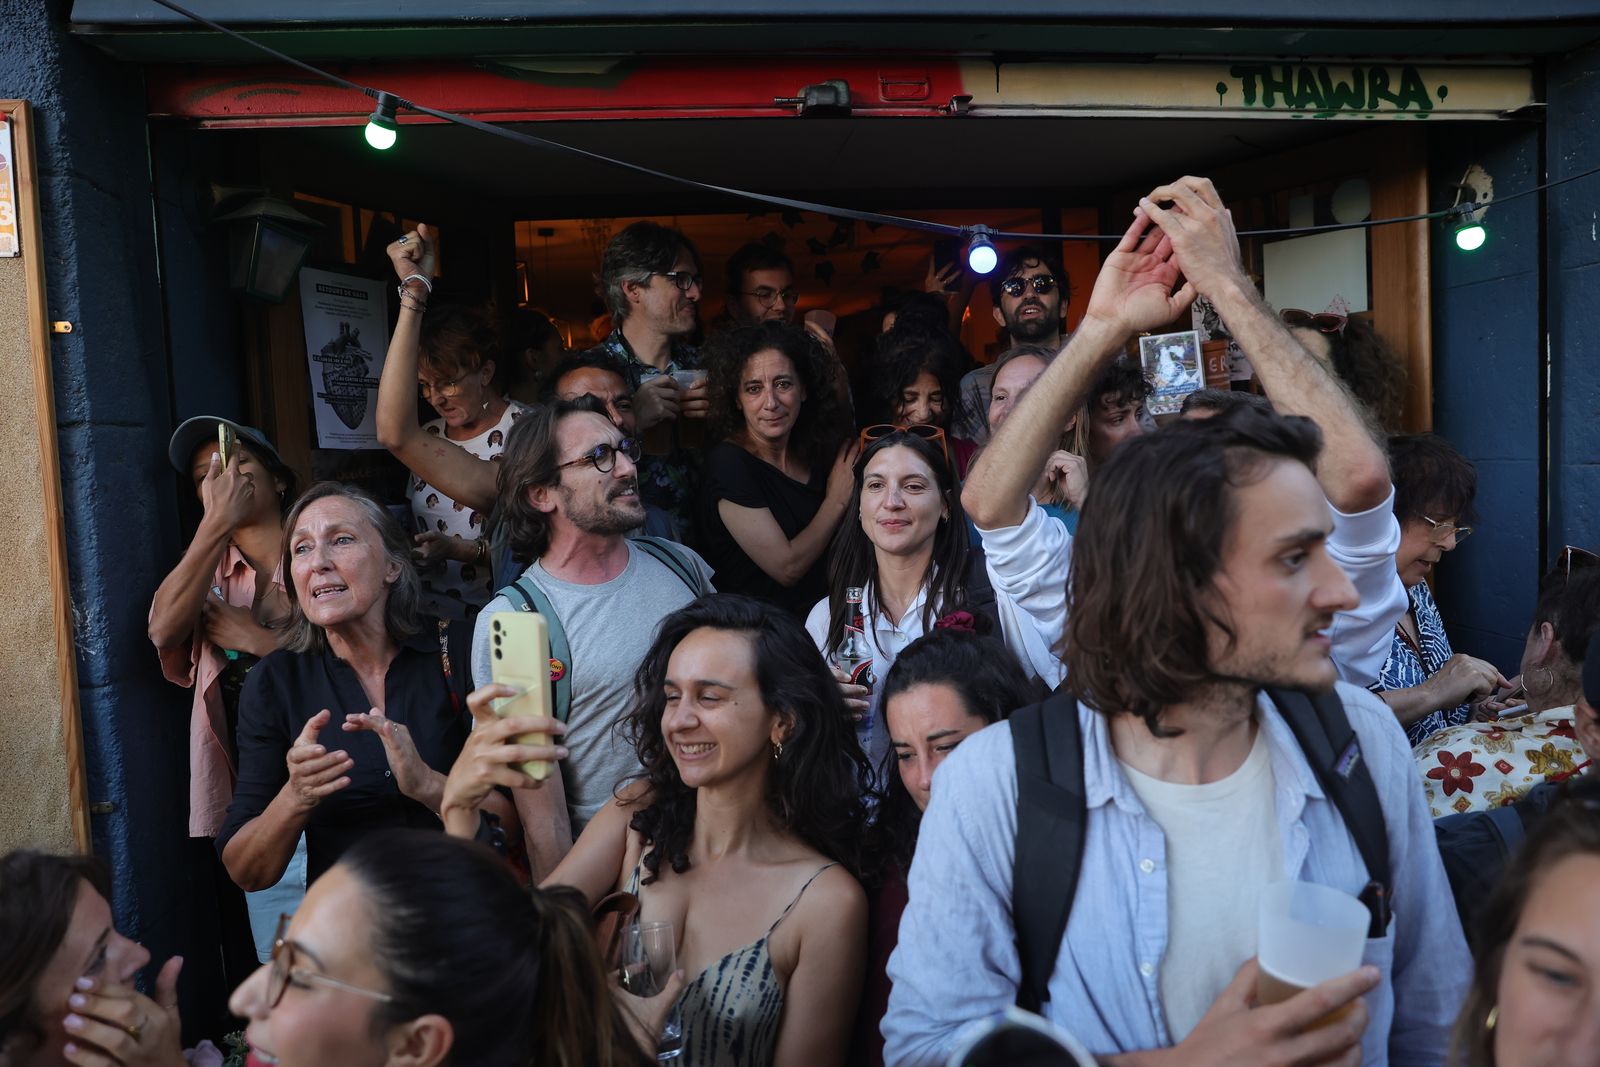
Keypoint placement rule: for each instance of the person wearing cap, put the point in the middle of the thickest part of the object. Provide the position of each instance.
(215, 615)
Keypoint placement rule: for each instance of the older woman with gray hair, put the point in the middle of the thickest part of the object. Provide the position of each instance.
(354, 722)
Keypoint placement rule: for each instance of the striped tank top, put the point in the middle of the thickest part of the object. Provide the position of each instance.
(733, 1009)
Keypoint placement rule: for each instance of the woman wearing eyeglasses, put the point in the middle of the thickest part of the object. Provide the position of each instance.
(421, 950)
(455, 351)
(1429, 686)
(778, 481)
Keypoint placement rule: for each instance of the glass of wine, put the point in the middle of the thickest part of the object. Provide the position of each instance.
(649, 957)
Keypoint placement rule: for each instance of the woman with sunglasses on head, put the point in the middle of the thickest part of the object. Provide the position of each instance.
(1429, 686)
(946, 685)
(421, 950)
(774, 487)
(1372, 370)
(914, 379)
(743, 833)
(905, 547)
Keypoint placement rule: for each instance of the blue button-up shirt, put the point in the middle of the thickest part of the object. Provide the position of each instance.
(956, 964)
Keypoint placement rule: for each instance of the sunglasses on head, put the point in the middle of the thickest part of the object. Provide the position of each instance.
(878, 431)
(1042, 284)
(1325, 321)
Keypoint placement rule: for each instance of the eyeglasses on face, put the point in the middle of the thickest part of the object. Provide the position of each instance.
(1324, 321)
(683, 279)
(604, 457)
(1042, 284)
(769, 296)
(927, 432)
(1440, 532)
(445, 390)
(282, 973)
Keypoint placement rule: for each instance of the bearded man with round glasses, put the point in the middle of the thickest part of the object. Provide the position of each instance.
(1030, 294)
(569, 496)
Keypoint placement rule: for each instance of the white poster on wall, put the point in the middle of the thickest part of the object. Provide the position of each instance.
(9, 245)
(347, 334)
(1318, 272)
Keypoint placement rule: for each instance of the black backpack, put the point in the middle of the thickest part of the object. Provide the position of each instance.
(1051, 813)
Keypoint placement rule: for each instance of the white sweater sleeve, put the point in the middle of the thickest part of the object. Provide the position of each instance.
(1364, 544)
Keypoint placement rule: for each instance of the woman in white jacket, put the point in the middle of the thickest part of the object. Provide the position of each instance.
(907, 548)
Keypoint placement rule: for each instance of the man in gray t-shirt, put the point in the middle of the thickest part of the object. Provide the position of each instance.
(609, 628)
(569, 494)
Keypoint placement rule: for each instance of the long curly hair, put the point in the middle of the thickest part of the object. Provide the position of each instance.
(815, 790)
(853, 560)
(821, 424)
(902, 355)
(1372, 369)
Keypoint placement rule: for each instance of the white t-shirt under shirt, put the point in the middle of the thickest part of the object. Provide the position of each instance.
(1223, 847)
(609, 628)
(448, 590)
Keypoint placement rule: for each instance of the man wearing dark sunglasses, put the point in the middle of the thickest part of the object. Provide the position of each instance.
(1029, 290)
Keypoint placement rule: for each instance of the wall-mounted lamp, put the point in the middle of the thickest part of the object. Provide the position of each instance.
(267, 242)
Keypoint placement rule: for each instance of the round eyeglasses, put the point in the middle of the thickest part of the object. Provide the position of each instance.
(604, 457)
(282, 973)
(1042, 284)
(683, 279)
(445, 390)
(769, 296)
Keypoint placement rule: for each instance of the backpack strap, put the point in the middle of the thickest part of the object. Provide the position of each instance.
(672, 557)
(1509, 829)
(1051, 814)
(1332, 748)
(526, 595)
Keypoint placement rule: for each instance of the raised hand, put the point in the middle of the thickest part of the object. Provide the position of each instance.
(414, 253)
(1134, 289)
(1204, 242)
(315, 773)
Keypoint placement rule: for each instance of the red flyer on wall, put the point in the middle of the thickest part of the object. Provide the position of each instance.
(9, 246)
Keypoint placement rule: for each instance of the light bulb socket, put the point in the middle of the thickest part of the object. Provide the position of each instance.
(382, 129)
(982, 256)
(1468, 228)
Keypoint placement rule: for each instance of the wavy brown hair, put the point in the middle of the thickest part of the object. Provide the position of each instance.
(530, 460)
(1147, 553)
(457, 339)
(814, 791)
(1371, 369)
(822, 422)
(1571, 828)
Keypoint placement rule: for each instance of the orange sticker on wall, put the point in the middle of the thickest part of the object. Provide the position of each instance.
(9, 245)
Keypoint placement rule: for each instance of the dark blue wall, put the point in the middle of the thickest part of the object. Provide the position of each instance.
(1488, 383)
(1573, 279)
(113, 421)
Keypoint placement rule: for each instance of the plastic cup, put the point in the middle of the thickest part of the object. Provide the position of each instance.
(1309, 933)
(691, 431)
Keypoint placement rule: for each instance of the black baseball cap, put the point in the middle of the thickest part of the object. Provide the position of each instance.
(193, 432)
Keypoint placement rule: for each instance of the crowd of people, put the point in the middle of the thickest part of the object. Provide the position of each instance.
(886, 695)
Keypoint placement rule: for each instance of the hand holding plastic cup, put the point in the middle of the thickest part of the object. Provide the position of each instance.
(1309, 933)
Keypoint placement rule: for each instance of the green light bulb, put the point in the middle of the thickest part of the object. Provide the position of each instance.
(381, 135)
(1470, 236)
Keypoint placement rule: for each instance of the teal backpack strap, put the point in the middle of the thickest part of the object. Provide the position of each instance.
(525, 595)
(673, 558)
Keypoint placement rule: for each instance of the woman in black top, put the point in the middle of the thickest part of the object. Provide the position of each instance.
(354, 722)
(780, 479)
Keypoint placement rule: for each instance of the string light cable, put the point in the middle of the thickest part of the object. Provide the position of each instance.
(977, 235)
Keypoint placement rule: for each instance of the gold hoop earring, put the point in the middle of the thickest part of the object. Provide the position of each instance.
(1492, 1018)
(1548, 683)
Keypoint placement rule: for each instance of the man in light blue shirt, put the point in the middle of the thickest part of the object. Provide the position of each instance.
(1201, 574)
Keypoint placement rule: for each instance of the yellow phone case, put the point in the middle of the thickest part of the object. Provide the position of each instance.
(227, 443)
(519, 656)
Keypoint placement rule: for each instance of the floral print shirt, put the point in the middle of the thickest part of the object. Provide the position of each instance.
(1405, 669)
(670, 482)
(1481, 765)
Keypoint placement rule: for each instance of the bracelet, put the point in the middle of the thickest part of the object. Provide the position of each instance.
(427, 283)
(410, 300)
